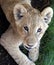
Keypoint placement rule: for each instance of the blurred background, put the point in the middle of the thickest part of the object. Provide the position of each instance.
(46, 56)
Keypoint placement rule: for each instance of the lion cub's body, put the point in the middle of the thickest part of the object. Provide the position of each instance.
(27, 26)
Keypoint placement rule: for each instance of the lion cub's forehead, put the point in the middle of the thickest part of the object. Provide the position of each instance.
(33, 15)
(32, 19)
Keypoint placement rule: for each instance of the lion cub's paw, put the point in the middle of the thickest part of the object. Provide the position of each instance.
(33, 58)
(33, 54)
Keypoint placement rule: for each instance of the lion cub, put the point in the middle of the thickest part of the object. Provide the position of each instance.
(28, 26)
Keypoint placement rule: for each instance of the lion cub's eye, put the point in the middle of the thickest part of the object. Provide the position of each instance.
(39, 30)
(26, 28)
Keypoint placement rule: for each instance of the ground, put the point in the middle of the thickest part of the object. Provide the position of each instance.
(46, 56)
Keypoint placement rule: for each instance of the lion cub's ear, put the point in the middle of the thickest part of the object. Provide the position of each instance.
(19, 11)
(47, 14)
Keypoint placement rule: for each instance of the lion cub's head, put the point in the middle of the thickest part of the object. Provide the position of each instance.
(31, 24)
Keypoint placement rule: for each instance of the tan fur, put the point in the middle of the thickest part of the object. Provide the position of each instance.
(36, 22)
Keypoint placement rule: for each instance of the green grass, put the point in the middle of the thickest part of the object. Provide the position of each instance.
(46, 56)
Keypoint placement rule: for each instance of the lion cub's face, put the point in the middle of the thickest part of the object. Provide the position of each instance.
(31, 24)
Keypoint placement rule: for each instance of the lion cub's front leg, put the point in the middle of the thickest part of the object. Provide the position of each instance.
(34, 53)
(19, 57)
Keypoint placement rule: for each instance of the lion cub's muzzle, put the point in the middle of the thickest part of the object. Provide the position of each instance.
(30, 42)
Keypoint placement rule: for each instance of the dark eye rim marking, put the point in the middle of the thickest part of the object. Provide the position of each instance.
(39, 30)
(26, 28)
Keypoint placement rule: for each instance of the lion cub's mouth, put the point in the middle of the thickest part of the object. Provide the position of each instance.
(29, 47)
